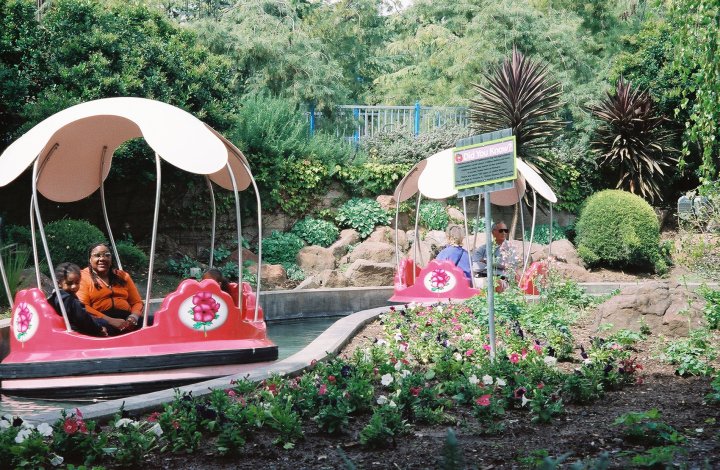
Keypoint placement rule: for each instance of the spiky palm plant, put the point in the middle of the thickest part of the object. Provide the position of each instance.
(520, 95)
(631, 143)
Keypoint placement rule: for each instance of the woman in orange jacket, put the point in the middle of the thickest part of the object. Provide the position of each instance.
(109, 294)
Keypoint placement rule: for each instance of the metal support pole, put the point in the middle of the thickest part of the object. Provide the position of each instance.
(490, 254)
(312, 118)
(158, 182)
(239, 231)
(416, 128)
(467, 239)
(104, 210)
(214, 218)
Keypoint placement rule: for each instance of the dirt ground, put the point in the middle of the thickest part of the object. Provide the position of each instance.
(581, 433)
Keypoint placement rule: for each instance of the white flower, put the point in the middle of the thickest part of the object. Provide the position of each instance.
(398, 365)
(550, 361)
(412, 305)
(121, 423)
(404, 373)
(500, 382)
(56, 460)
(22, 435)
(525, 400)
(381, 342)
(4, 424)
(45, 429)
(439, 309)
(473, 379)
(587, 361)
(457, 357)
(487, 380)
(386, 379)
(382, 399)
(398, 336)
(26, 425)
(157, 430)
(8, 417)
(392, 404)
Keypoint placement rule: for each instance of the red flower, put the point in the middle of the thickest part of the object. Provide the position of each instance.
(331, 379)
(415, 391)
(70, 426)
(313, 362)
(540, 386)
(272, 388)
(483, 400)
(176, 424)
(514, 358)
(78, 413)
(153, 417)
(82, 427)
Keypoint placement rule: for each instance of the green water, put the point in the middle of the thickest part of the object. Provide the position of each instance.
(290, 336)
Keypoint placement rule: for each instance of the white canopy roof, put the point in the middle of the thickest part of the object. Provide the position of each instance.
(436, 181)
(70, 145)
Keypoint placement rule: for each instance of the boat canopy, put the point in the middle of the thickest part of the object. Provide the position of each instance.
(76, 145)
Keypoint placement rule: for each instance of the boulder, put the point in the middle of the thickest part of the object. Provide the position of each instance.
(332, 278)
(379, 252)
(456, 215)
(364, 273)
(309, 282)
(571, 272)
(347, 238)
(272, 276)
(667, 307)
(386, 202)
(387, 235)
(313, 259)
(247, 255)
(28, 280)
(565, 251)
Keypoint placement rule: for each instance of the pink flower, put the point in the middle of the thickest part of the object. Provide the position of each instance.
(313, 363)
(322, 390)
(469, 352)
(483, 400)
(486, 347)
(523, 353)
(70, 426)
(78, 413)
(538, 349)
(514, 358)
(230, 392)
(205, 307)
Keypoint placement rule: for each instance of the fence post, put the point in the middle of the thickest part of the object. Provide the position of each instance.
(356, 135)
(312, 118)
(416, 130)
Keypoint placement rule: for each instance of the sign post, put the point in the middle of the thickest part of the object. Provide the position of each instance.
(483, 164)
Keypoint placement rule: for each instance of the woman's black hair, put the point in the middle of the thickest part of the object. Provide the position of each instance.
(114, 279)
(217, 276)
(63, 269)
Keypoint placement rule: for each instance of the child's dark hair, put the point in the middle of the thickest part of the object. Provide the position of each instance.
(115, 280)
(63, 269)
(217, 276)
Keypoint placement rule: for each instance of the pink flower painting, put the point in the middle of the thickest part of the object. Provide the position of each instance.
(23, 319)
(439, 279)
(204, 310)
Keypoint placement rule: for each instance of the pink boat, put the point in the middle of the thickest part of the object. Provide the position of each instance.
(46, 358)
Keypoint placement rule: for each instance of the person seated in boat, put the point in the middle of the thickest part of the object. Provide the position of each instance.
(109, 294)
(505, 259)
(455, 252)
(68, 279)
(217, 276)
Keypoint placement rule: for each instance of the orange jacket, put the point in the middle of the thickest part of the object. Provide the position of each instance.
(100, 300)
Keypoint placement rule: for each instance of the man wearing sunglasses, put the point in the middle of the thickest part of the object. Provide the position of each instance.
(504, 259)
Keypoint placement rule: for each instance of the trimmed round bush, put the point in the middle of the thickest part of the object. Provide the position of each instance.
(281, 248)
(316, 231)
(618, 229)
(69, 239)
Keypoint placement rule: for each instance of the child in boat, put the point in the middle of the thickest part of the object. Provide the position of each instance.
(217, 276)
(68, 279)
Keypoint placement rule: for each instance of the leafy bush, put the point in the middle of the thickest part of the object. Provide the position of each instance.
(316, 232)
(371, 178)
(294, 272)
(132, 257)
(182, 267)
(433, 215)
(618, 229)
(281, 248)
(542, 233)
(363, 215)
(14, 261)
(401, 146)
(69, 240)
(295, 195)
(17, 234)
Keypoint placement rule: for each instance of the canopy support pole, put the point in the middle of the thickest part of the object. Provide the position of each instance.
(532, 228)
(239, 233)
(416, 250)
(104, 210)
(466, 241)
(35, 177)
(522, 227)
(214, 218)
(490, 262)
(36, 258)
(158, 182)
(550, 240)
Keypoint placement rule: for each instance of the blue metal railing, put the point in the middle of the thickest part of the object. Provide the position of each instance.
(355, 122)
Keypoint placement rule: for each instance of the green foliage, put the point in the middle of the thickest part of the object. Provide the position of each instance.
(400, 146)
(69, 240)
(316, 231)
(618, 229)
(294, 272)
(711, 309)
(296, 195)
(363, 215)
(131, 256)
(542, 233)
(385, 424)
(17, 234)
(631, 142)
(182, 267)
(646, 427)
(281, 248)
(14, 261)
(714, 396)
(433, 215)
(370, 178)
(692, 355)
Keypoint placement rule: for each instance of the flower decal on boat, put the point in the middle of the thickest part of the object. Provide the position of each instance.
(26, 321)
(203, 311)
(439, 281)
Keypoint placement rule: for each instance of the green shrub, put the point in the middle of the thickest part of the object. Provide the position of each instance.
(17, 234)
(69, 240)
(316, 231)
(401, 146)
(542, 233)
(294, 272)
(371, 178)
(433, 215)
(618, 229)
(281, 248)
(14, 261)
(181, 267)
(131, 257)
(363, 215)
(295, 195)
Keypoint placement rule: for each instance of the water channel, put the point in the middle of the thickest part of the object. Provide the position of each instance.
(290, 336)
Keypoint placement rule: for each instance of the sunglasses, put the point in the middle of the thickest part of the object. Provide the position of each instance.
(503, 230)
